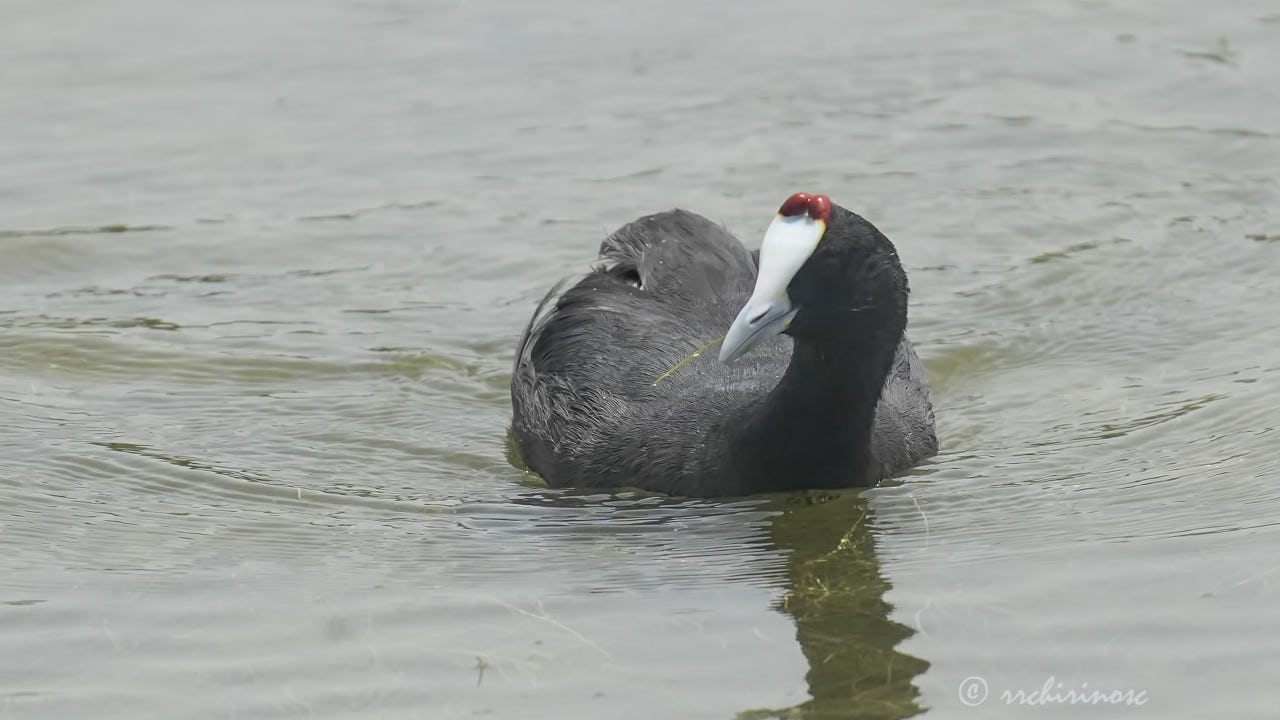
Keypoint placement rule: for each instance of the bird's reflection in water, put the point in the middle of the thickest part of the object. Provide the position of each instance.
(836, 597)
(834, 594)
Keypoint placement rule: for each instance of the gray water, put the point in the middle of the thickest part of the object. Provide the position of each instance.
(262, 267)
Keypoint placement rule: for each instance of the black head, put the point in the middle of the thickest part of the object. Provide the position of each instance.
(853, 277)
(825, 274)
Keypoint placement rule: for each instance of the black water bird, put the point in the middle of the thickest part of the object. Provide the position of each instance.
(843, 402)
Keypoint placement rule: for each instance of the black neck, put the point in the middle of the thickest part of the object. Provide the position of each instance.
(814, 429)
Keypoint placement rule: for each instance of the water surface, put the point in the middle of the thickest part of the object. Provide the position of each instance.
(262, 267)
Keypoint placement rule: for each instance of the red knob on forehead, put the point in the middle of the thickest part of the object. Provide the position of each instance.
(795, 205)
(818, 206)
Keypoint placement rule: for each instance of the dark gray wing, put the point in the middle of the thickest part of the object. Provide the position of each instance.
(903, 433)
